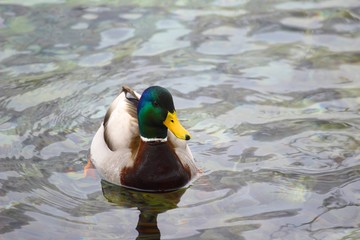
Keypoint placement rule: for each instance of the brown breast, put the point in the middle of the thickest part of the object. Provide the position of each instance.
(156, 168)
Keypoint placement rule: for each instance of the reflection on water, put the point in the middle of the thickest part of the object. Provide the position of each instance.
(150, 206)
(268, 89)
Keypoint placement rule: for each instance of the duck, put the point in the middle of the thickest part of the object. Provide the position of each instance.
(141, 143)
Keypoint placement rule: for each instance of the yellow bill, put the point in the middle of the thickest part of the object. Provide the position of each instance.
(173, 124)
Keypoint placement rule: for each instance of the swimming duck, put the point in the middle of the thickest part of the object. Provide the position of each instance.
(141, 143)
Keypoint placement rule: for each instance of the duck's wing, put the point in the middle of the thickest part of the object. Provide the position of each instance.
(120, 122)
(182, 150)
(117, 139)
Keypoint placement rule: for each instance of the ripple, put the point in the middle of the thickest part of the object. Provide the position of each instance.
(162, 42)
(302, 23)
(279, 37)
(90, 16)
(30, 69)
(334, 43)
(197, 81)
(6, 53)
(230, 3)
(317, 5)
(346, 217)
(80, 26)
(192, 14)
(130, 16)
(334, 146)
(32, 2)
(266, 79)
(96, 60)
(114, 36)
(237, 42)
(346, 27)
(42, 94)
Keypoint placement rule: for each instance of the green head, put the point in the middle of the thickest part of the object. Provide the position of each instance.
(156, 114)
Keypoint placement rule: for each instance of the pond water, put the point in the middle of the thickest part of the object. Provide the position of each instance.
(268, 89)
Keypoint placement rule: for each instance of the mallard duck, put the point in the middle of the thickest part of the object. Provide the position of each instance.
(141, 143)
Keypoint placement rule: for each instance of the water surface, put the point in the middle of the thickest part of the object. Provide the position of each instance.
(268, 89)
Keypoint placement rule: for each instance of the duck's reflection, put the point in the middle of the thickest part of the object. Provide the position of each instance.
(149, 205)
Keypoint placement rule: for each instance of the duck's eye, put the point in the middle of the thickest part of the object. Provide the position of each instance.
(155, 103)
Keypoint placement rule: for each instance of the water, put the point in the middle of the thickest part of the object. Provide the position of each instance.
(268, 89)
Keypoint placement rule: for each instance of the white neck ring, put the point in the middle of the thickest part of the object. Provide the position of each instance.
(153, 139)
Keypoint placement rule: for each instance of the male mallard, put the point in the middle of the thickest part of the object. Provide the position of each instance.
(134, 148)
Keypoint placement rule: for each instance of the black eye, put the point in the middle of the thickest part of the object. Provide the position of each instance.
(155, 103)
